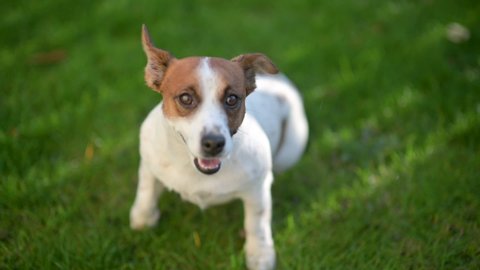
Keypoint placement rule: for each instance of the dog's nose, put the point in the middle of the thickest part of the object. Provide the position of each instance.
(212, 144)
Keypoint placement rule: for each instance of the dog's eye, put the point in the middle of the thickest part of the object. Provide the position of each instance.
(186, 99)
(232, 100)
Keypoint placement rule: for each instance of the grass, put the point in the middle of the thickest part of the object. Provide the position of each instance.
(390, 179)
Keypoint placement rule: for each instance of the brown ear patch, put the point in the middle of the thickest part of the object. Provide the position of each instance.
(254, 63)
(158, 61)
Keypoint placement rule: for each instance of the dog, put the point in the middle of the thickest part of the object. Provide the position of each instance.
(211, 143)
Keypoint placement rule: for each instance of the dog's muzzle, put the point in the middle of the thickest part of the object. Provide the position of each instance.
(212, 145)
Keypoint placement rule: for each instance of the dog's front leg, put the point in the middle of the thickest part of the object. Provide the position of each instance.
(144, 212)
(260, 252)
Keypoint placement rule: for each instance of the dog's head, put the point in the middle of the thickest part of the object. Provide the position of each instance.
(204, 98)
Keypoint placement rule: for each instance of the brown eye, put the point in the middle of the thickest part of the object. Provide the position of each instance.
(186, 99)
(232, 101)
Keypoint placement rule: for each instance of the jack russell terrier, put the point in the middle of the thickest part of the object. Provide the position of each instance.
(210, 143)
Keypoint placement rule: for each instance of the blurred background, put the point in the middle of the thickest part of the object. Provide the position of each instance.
(390, 180)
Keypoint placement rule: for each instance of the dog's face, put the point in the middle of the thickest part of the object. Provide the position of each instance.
(203, 98)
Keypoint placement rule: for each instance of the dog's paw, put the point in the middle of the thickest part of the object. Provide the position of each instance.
(260, 257)
(141, 219)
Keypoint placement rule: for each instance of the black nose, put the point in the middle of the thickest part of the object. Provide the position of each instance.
(212, 144)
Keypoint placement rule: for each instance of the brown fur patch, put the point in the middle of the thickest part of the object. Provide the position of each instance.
(232, 82)
(180, 77)
(235, 77)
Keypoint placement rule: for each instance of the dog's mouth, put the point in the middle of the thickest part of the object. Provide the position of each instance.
(207, 166)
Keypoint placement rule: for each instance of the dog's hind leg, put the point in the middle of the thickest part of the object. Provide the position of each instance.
(259, 249)
(144, 212)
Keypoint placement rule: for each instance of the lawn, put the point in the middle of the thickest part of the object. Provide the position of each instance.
(390, 179)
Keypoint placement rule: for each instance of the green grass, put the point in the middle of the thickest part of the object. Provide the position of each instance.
(391, 178)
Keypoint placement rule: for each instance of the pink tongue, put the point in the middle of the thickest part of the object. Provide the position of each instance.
(209, 163)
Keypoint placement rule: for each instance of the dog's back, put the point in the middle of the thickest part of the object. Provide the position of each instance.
(278, 107)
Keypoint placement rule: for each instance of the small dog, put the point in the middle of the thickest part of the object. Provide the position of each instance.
(210, 143)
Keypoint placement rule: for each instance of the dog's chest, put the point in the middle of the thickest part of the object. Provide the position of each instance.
(196, 188)
(203, 199)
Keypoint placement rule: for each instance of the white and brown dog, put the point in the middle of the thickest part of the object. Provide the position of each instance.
(210, 143)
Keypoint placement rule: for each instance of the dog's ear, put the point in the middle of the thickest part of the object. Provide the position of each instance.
(158, 61)
(254, 63)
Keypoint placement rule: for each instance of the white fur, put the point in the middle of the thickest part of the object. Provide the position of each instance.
(246, 170)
